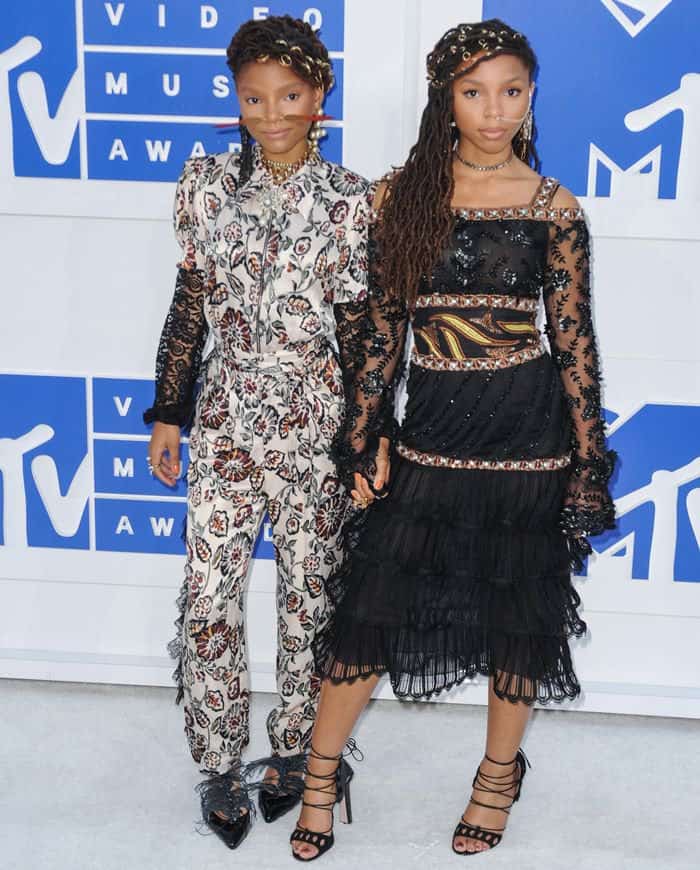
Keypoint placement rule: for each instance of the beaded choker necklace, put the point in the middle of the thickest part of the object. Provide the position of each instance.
(479, 168)
(281, 171)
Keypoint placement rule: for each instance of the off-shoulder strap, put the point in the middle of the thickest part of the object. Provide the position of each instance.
(545, 192)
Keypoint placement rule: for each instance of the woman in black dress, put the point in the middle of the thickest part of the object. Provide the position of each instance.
(500, 469)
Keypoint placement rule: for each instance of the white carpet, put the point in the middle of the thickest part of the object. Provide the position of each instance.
(99, 778)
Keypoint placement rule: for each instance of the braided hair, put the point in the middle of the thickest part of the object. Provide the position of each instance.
(416, 218)
(292, 43)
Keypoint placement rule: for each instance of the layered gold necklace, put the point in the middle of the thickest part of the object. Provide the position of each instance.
(280, 171)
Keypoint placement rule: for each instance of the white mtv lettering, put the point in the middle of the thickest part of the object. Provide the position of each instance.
(686, 99)
(693, 504)
(124, 526)
(53, 135)
(116, 86)
(314, 17)
(161, 15)
(12, 452)
(209, 17)
(115, 16)
(118, 149)
(123, 469)
(198, 150)
(23, 50)
(65, 512)
(662, 492)
(171, 88)
(162, 526)
(221, 86)
(631, 184)
(649, 9)
(122, 405)
(267, 532)
(158, 150)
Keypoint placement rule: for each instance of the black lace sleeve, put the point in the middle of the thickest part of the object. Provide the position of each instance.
(184, 333)
(371, 337)
(588, 508)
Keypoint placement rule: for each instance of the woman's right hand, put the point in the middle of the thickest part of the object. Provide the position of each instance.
(164, 453)
(363, 495)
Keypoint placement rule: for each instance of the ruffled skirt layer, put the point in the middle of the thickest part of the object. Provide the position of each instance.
(458, 573)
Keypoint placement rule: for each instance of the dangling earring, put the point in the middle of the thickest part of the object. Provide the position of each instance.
(315, 133)
(526, 134)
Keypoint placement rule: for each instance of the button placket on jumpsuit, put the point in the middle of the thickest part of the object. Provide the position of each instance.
(269, 407)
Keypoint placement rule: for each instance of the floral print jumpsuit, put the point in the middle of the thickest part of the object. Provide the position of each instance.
(268, 276)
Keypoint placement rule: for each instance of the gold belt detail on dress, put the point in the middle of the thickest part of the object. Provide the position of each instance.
(437, 461)
(476, 363)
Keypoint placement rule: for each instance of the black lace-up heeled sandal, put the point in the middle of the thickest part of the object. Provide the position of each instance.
(334, 790)
(489, 784)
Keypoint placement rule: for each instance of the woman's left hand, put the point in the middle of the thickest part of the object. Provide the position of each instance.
(362, 495)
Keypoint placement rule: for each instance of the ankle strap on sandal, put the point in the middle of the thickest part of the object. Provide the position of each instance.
(328, 786)
(500, 784)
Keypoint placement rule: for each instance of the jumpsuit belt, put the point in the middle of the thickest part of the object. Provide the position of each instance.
(308, 356)
(299, 374)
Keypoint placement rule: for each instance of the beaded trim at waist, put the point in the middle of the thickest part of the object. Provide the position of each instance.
(476, 300)
(436, 461)
(476, 363)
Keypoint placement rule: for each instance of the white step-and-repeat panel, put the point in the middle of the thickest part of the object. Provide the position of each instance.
(101, 102)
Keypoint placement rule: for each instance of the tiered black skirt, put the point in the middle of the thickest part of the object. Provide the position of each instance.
(457, 573)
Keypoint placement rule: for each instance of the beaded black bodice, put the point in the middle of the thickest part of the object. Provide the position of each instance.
(482, 387)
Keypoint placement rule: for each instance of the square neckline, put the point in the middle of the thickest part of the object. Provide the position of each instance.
(551, 184)
(539, 208)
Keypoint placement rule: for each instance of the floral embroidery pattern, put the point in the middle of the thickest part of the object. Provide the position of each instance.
(261, 273)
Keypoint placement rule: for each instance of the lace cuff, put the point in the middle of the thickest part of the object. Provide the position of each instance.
(588, 506)
(184, 334)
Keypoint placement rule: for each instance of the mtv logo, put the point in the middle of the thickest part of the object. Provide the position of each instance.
(41, 91)
(640, 182)
(657, 496)
(45, 469)
(635, 15)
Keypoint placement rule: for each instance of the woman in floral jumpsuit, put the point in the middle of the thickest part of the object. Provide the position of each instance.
(274, 262)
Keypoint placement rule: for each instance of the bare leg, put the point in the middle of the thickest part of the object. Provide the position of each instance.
(338, 709)
(506, 725)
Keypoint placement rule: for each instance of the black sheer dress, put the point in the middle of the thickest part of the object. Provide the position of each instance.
(499, 469)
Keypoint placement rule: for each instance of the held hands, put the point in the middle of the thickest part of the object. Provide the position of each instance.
(362, 495)
(164, 453)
